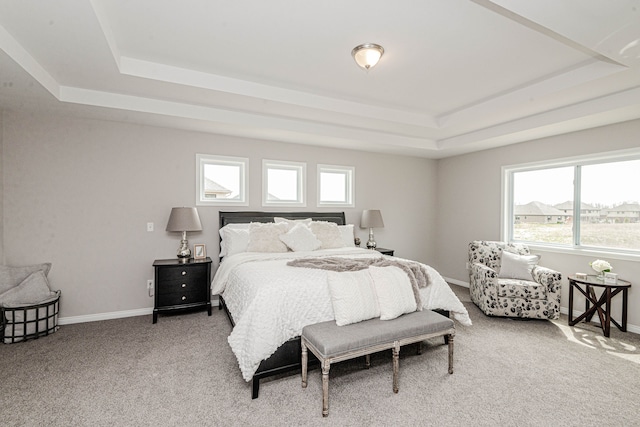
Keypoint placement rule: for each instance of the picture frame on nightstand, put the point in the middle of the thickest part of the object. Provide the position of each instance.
(199, 251)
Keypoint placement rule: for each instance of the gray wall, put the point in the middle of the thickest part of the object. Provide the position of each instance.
(469, 200)
(79, 193)
(1, 192)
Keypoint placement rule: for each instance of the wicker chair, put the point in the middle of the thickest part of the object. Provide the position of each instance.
(538, 298)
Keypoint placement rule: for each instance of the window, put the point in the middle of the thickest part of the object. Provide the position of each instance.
(283, 183)
(221, 180)
(587, 203)
(335, 185)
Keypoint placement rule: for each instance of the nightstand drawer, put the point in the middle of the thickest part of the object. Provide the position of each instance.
(182, 273)
(181, 286)
(179, 298)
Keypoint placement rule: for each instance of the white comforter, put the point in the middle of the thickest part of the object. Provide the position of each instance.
(271, 302)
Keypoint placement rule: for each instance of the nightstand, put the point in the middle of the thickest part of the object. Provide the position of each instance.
(385, 251)
(181, 285)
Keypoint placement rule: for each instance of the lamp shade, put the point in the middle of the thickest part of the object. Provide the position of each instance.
(371, 219)
(184, 219)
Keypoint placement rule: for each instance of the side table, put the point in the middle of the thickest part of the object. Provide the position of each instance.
(181, 285)
(385, 251)
(602, 304)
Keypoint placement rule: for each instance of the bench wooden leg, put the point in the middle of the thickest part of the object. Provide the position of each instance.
(367, 361)
(396, 365)
(420, 347)
(450, 342)
(325, 388)
(304, 365)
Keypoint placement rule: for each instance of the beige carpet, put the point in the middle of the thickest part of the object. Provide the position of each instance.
(181, 372)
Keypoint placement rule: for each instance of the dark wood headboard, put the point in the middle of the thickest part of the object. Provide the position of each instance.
(246, 217)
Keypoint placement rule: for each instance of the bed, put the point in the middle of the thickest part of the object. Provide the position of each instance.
(268, 302)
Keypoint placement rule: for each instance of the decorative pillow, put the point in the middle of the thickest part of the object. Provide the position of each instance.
(395, 294)
(328, 233)
(13, 276)
(353, 296)
(291, 222)
(515, 266)
(265, 237)
(234, 238)
(33, 290)
(348, 235)
(300, 238)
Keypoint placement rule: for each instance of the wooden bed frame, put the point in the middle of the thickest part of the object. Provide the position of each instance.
(289, 355)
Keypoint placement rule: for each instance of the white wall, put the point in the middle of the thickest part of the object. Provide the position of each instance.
(469, 200)
(79, 193)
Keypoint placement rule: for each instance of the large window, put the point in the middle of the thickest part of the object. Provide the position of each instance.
(221, 180)
(335, 186)
(587, 203)
(283, 183)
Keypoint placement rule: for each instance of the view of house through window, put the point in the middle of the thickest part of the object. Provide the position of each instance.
(221, 180)
(588, 204)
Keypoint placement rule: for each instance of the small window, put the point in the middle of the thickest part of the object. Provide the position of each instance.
(336, 185)
(221, 180)
(283, 183)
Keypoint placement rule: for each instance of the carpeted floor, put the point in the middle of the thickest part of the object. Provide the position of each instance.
(181, 372)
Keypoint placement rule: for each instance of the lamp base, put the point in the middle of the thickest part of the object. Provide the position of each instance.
(184, 253)
(371, 243)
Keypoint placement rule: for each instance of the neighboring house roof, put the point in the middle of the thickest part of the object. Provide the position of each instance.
(537, 208)
(568, 205)
(210, 186)
(626, 207)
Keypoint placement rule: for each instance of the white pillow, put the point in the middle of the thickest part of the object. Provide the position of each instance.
(291, 222)
(328, 233)
(353, 296)
(33, 290)
(234, 239)
(514, 266)
(394, 290)
(348, 235)
(300, 238)
(265, 237)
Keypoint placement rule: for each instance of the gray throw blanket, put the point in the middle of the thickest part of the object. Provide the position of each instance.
(418, 275)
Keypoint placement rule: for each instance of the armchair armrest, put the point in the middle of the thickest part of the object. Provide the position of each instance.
(550, 278)
(482, 273)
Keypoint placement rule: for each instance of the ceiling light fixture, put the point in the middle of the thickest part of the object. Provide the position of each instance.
(367, 55)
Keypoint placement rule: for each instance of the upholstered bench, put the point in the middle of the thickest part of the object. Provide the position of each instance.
(331, 343)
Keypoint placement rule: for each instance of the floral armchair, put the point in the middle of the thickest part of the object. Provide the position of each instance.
(517, 287)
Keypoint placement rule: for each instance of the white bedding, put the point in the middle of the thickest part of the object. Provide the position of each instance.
(271, 302)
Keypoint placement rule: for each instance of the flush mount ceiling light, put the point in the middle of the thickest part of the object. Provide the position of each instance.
(367, 55)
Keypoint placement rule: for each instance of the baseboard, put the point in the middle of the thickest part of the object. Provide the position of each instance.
(111, 315)
(456, 282)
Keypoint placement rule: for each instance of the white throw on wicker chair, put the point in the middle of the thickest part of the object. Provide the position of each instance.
(512, 285)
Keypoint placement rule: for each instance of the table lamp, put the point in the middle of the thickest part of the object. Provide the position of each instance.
(184, 219)
(371, 219)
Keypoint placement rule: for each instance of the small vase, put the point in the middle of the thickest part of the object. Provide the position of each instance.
(600, 276)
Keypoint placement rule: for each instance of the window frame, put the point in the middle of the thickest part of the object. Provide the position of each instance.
(299, 167)
(507, 203)
(210, 159)
(350, 174)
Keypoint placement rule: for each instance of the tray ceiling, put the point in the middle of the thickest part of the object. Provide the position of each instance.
(457, 76)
